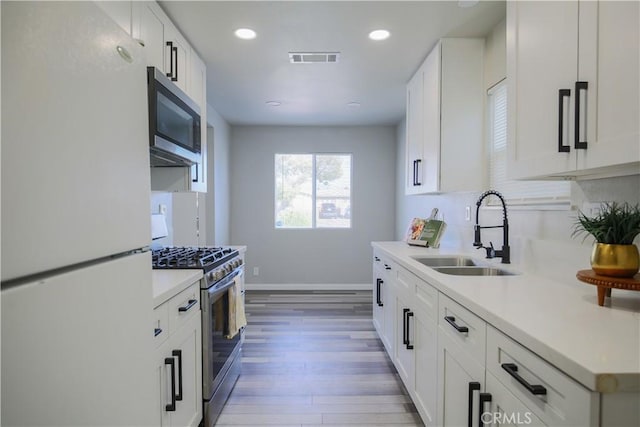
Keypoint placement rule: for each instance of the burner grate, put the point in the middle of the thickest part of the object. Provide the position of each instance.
(205, 258)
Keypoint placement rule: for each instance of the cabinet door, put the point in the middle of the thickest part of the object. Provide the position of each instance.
(430, 166)
(186, 349)
(426, 367)
(457, 371)
(405, 333)
(149, 28)
(609, 62)
(197, 90)
(542, 58)
(162, 373)
(505, 409)
(378, 310)
(390, 318)
(415, 134)
(177, 57)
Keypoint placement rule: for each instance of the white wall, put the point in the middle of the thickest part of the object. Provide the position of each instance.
(217, 199)
(320, 256)
(528, 228)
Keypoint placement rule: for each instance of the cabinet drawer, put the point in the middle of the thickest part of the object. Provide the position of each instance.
(182, 306)
(464, 327)
(161, 324)
(559, 400)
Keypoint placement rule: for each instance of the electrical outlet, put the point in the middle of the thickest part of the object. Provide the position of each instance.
(256, 271)
(467, 213)
(162, 209)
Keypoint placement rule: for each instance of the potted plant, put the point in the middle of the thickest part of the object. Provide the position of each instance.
(614, 229)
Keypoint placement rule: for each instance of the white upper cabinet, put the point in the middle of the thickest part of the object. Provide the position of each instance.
(444, 145)
(165, 47)
(573, 89)
(197, 90)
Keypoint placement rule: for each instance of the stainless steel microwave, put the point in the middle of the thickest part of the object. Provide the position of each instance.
(174, 123)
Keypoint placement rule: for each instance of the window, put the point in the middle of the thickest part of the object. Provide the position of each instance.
(313, 190)
(515, 192)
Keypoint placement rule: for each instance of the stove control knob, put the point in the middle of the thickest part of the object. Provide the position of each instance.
(240, 262)
(210, 276)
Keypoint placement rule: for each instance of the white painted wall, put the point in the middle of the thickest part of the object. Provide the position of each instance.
(548, 232)
(217, 200)
(321, 256)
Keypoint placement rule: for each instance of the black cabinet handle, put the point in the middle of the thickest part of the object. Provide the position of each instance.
(172, 406)
(196, 173)
(473, 386)
(416, 172)
(409, 345)
(156, 332)
(512, 369)
(484, 398)
(452, 321)
(405, 340)
(579, 145)
(562, 94)
(376, 258)
(378, 299)
(191, 303)
(175, 51)
(386, 267)
(170, 73)
(178, 354)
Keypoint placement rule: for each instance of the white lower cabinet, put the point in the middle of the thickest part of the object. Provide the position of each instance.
(178, 362)
(416, 342)
(384, 301)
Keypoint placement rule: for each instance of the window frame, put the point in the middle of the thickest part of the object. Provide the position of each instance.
(314, 198)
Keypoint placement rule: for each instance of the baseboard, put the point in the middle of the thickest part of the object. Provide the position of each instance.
(308, 286)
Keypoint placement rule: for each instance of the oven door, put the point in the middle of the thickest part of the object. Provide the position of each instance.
(218, 351)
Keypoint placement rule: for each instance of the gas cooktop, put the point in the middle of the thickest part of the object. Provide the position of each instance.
(188, 257)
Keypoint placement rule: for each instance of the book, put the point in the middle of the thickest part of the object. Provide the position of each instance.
(432, 232)
(415, 230)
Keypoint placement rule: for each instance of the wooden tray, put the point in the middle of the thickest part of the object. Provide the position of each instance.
(606, 283)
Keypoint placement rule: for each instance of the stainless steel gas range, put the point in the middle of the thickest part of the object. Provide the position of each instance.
(221, 347)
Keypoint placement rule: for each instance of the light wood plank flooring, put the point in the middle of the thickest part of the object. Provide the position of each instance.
(313, 358)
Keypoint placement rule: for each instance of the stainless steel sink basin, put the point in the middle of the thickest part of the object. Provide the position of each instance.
(451, 261)
(474, 271)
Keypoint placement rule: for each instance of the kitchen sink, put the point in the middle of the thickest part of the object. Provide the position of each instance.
(452, 261)
(474, 271)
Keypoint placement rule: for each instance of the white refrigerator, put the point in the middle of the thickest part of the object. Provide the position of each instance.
(76, 300)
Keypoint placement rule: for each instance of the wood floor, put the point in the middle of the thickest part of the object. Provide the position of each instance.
(314, 358)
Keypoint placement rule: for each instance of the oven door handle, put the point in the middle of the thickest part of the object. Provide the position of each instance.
(228, 282)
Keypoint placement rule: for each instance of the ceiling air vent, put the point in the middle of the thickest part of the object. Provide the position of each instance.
(313, 57)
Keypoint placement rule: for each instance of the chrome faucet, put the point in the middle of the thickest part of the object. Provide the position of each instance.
(505, 253)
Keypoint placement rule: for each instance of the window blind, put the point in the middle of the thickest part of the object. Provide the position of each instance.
(515, 192)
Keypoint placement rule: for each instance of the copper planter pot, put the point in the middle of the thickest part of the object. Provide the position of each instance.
(615, 260)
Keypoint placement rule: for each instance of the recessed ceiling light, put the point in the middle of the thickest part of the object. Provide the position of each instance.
(379, 35)
(273, 103)
(245, 33)
(354, 104)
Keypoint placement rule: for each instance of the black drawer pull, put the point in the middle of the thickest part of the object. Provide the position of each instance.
(405, 339)
(512, 369)
(191, 303)
(386, 267)
(156, 332)
(376, 258)
(452, 321)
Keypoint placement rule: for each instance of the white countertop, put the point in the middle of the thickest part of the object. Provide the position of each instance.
(167, 283)
(559, 320)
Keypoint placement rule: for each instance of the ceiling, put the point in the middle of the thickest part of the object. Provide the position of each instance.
(242, 75)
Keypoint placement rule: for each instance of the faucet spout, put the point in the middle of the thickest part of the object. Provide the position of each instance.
(505, 253)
